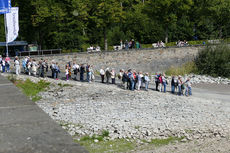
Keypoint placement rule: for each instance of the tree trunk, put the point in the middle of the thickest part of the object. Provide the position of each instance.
(105, 40)
(166, 34)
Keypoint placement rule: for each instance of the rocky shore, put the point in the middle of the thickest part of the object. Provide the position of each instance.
(89, 108)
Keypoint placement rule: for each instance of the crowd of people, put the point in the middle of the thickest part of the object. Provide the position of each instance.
(128, 79)
(4, 64)
(132, 80)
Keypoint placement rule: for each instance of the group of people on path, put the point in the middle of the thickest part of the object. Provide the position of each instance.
(129, 79)
(4, 64)
(133, 80)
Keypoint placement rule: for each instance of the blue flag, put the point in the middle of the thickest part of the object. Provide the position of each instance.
(5, 6)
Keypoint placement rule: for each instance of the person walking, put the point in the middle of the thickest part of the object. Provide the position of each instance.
(87, 72)
(7, 64)
(56, 71)
(125, 80)
(29, 66)
(3, 65)
(147, 80)
(131, 79)
(75, 70)
(139, 80)
(164, 82)
(157, 81)
(160, 82)
(188, 91)
(113, 76)
(102, 74)
(108, 75)
(67, 72)
(0, 63)
(179, 82)
(173, 84)
(52, 68)
(17, 65)
(82, 71)
(34, 67)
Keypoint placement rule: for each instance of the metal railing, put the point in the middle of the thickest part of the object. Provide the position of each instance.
(40, 52)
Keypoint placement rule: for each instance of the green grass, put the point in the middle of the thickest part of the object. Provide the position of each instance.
(162, 142)
(31, 89)
(118, 145)
(123, 145)
(187, 68)
(146, 46)
(64, 85)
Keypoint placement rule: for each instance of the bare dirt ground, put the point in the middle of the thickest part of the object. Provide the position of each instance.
(209, 145)
(212, 91)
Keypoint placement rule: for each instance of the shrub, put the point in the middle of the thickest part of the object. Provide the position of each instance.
(187, 68)
(214, 61)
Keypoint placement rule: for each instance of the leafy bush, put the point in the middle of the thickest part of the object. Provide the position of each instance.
(146, 46)
(187, 68)
(214, 61)
(170, 44)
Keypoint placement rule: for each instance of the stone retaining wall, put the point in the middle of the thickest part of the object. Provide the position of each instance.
(152, 60)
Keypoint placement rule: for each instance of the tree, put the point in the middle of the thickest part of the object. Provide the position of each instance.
(167, 12)
(108, 12)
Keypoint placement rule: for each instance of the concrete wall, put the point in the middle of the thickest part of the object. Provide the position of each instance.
(152, 60)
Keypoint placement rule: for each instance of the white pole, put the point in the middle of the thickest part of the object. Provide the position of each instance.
(7, 53)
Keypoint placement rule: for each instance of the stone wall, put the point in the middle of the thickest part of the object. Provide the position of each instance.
(151, 60)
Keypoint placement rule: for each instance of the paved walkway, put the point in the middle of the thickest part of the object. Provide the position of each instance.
(25, 128)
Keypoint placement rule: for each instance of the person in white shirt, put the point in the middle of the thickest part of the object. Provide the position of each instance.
(76, 69)
(139, 80)
(34, 67)
(147, 80)
(17, 65)
(102, 73)
(67, 72)
(113, 76)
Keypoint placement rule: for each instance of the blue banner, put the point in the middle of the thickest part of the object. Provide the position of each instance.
(5, 6)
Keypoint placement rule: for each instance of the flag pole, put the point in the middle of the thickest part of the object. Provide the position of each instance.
(7, 53)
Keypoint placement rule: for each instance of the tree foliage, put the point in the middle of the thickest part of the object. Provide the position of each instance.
(214, 61)
(75, 24)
